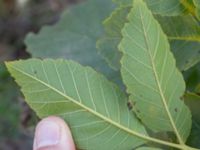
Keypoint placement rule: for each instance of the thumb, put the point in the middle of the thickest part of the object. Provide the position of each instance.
(53, 134)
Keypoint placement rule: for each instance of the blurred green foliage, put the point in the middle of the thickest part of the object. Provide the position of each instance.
(9, 108)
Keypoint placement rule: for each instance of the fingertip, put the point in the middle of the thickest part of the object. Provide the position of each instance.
(53, 133)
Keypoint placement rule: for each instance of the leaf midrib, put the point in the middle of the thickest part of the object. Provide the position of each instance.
(185, 38)
(158, 83)
(77, 103)
(132, 132)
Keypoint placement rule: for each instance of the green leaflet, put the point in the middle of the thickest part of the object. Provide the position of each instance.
(148, 70)
(162, 7)
(184, 39)
(180, 27)
(197, 5)
(192, 78)
(94, 108)
(184, 35)
(108, 44)
(193, 101)
(187, 53)
(74, 36)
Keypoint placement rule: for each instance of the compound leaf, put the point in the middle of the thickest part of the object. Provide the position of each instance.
(148, 70)
(94, 108)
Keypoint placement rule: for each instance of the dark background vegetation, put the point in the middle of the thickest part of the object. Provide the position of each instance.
(17, 18)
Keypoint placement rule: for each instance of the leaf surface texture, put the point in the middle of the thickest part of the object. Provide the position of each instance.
(148, 69)
(94, 108)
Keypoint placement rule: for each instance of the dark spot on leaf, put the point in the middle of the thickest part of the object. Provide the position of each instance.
(186, 61)
(130, 105)
(35, 72)
(137, 111)
(176, 110)
(139, 120)
(182, 98)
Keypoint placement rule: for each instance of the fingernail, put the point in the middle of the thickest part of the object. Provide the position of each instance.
(47, 134)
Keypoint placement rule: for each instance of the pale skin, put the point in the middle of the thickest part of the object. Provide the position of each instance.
(52, 133)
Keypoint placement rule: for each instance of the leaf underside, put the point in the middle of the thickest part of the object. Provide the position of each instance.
(148, 70)
(94, 108)
(184, 40)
